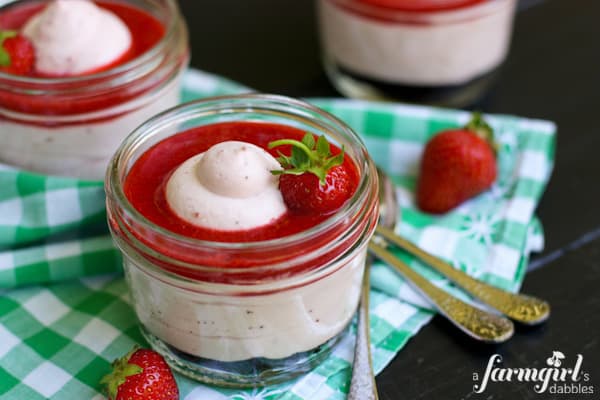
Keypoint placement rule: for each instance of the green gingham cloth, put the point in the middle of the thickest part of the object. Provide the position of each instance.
(65, 312)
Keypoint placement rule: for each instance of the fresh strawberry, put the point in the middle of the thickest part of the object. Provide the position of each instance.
(457, 164)
(313, 181)
(142, 374)
(17, 55)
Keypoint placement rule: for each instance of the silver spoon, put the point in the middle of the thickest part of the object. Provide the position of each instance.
(475, 322)
(519, 307)
(362, 383)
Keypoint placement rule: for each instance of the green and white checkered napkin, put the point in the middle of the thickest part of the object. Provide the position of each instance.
(61, 324)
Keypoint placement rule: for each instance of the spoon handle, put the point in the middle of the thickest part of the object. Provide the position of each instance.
(473, 321)
(519, 307)
(362, 383)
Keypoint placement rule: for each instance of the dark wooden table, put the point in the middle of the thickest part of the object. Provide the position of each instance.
(553, 72)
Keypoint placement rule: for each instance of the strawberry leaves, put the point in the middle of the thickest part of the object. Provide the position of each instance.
(121, 371)
(480, 127)
(313, 181)
(307, 155)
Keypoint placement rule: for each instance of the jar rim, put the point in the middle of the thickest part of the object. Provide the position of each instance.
(114, 188)
(116, 72)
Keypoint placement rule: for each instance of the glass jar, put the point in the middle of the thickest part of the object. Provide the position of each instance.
(71, 126)
(443, 52)
(279, 314)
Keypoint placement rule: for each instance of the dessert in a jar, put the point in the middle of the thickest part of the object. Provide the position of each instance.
(443, 52)
(243, 222)
(97, 70)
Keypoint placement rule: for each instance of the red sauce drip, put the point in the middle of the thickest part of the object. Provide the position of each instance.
(145, 183)
(146, 31)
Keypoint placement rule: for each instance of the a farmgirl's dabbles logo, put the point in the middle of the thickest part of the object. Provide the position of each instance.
(558, 377)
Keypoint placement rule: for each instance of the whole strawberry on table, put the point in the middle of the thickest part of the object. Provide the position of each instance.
(141, 374)
(457, 164)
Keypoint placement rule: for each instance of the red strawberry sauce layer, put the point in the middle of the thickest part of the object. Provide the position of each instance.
(411, 12)
(146, 31)
(422, 5)
(145, 183)
(144, 187)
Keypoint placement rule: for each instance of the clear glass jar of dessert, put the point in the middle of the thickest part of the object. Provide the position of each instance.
(252, 313)
(72, 125)
(442, 52)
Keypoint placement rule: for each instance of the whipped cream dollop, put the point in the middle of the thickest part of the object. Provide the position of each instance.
(228, 187)
(72, 37)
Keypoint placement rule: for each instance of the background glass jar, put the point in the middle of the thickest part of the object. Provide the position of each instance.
(258, 324)
(72, 125)
(444, 52)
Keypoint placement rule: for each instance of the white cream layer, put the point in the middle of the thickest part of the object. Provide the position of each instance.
(81, 150)
(228, 187)
(72, 37)
(431, 54)
(211, 321)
